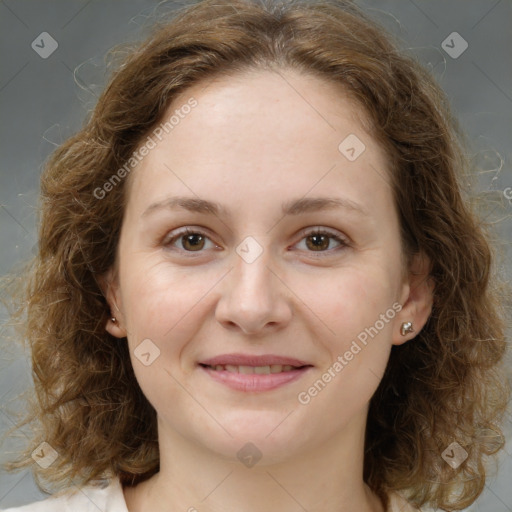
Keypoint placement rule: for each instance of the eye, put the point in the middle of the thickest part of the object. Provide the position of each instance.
(191, 240)
(319, 240)
(195, 240)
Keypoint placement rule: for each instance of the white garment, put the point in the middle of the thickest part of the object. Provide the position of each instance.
(107, 497)
(110, 498)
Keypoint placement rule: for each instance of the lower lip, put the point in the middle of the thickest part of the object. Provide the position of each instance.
(255, 381)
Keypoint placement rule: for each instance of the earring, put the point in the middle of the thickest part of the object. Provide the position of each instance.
(114, 320)
(405, 328)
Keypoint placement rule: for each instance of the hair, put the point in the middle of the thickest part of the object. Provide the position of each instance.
(445, 385)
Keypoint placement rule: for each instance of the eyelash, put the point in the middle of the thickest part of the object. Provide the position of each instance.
(168, 241)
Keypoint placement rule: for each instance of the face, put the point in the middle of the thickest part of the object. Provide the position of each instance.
(283, 245)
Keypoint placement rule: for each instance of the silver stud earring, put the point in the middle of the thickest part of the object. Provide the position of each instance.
(405, 328)
(114, 320)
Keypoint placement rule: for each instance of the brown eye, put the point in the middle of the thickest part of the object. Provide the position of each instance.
(188, 240)
(320, 241)
(193, 242)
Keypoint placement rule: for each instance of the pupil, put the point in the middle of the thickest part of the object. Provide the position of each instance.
(318, 241)
(193, 240)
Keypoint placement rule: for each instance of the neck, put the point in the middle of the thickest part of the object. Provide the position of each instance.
(321, 478)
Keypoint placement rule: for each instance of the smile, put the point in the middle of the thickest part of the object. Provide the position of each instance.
(254, 378)
(247, 370)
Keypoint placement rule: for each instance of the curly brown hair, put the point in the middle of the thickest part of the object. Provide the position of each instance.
(443, 386)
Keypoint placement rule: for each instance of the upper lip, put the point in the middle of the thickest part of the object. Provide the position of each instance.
(253, 360)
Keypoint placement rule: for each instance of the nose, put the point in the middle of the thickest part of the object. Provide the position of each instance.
(253, 299)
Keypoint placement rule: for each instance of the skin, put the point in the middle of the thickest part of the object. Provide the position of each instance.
(254, 141)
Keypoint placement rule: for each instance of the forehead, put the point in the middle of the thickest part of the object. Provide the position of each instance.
(265, 102)
(268, 130)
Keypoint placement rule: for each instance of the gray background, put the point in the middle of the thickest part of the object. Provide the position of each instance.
(42, 103)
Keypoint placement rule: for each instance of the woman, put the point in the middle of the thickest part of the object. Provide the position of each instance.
(258, 286)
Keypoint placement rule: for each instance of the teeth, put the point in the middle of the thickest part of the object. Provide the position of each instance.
(262, 369)
(277, 368)
(247, 370)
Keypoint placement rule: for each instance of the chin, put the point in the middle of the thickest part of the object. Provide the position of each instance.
(262, 435)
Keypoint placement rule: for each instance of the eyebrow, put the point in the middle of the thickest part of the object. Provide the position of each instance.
(293, 207)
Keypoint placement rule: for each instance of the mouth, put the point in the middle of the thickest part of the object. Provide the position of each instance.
(251, 370)
(254, 373)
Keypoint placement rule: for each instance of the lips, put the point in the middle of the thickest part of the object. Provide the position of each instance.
(244, 372)
(253, 360)
(249, 370)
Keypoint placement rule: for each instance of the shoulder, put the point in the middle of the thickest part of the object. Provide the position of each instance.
(107, 496)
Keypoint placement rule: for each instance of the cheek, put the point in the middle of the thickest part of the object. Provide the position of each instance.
(347, 301)
(355, 335)
(161, 305)
(165, 303)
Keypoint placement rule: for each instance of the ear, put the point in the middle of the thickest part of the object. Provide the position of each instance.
(417, 296)
(110, 288)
